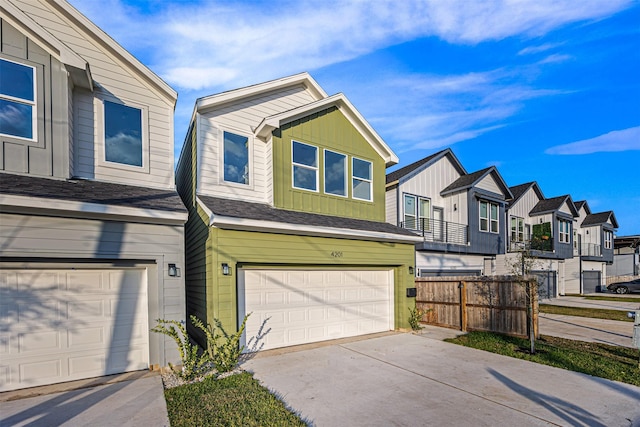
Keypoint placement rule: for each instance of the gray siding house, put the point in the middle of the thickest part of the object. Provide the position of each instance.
(92, 227)
(460, 215)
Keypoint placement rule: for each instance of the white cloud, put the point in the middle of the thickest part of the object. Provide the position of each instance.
(617, 140)
(537, 49)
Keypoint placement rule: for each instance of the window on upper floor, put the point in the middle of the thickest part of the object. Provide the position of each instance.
(335, 173)
(17, 100)
(305, 166)
(123, 136)
(362, 179)
(608, 239)
(236, 158)
(489, 216)
(564, 231)
(417, 213)
(517, 229)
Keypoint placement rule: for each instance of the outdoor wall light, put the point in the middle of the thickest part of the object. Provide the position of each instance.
(410, 270)
(173, 271)
(225, 269)
(455, 207)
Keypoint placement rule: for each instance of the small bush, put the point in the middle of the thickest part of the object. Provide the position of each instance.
(415, 315)
(192, 362)
(223, 350)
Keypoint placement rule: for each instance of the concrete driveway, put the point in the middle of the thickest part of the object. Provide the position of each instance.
(410, 380)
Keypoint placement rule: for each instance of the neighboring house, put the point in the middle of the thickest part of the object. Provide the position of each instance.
(586, 272)
(545, 226)
(626, 257)
(459, 215)
(93, 229)
(285, 191)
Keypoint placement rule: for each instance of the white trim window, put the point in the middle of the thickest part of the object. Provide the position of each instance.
(335, 173)
(18, 112)
(124, 139)
(362, 182)
(564, 231)
(304, 172)
(417, 212)
(608, 239)
(517, 229)
(489, 216)
(235, 158)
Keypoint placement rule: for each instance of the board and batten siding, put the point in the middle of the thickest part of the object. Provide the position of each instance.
(116, 81)
(489, 183)
(243, 248)
(327, 129)
(83, 242)
(524, 205)
(241, 118)
(565, 208)
(430, 182)
(591, 235)
(48, 155)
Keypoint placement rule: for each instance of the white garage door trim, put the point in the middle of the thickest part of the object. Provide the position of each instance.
(300, 306)
(63, 324)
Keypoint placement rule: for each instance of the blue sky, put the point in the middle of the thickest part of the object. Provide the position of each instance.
(544, 90)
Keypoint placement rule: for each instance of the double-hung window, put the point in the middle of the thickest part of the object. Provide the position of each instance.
(417, 212)
(17, 100)
(608, 239)
(362, 172)
(305, 166)
(123, 134)
(335, 173)
(564, 231)
(489, 216)
(236, 158)
(517, 229)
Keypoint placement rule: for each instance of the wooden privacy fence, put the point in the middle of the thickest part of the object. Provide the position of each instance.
(495, 303)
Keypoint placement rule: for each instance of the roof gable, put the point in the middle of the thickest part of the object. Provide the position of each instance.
(601, 218)
(520, 190)
(470, 180)
(341, 102)
(582, 204)
(422, 164)
(554, 204)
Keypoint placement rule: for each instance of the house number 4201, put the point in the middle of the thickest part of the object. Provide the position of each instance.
(336, 254)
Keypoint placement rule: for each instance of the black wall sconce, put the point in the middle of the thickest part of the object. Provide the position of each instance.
(173, 271)
(226, 271)
(455, 207)
(411, 270)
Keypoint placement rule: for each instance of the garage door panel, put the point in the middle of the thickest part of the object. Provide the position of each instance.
(318, 304)
(68, 325)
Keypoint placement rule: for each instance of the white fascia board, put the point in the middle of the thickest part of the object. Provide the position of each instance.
(307, 230)
(206, 210)
(235, 95)
(48, 42)
(270, 123)
(39, 205)
(114, 48)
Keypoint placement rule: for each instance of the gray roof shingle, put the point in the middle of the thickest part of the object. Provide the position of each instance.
(600, 218)
(262, 212)
(552, 204)
(86, 191)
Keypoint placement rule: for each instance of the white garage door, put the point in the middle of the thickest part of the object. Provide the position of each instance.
(66, 324)
(304, 306)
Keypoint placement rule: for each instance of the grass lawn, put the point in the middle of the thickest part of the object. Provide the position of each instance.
(618, 299)
(596, 313)
(600, 360)
(238, 400)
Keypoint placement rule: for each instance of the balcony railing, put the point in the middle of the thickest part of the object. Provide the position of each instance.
(434, 230)
(535, 244)
(590, 249)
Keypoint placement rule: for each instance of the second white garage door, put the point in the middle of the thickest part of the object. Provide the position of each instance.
(304, 306)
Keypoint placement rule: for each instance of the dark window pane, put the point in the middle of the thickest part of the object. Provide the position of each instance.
(236, 158)
(16, 119)
(123, 134)
(362, 169)
(16, 80)
(304, 178)
(305, 154)
(335, 173)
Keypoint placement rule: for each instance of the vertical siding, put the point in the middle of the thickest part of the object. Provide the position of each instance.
(71, 116)
(489, 183)
(242, 118)
(115, 80)
(565, 208)
(328, 129)
(572, 276)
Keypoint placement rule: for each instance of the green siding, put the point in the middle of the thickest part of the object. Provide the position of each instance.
(241, 248)
(326, 129)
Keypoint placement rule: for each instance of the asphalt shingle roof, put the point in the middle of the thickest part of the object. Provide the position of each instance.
(262, 212)
(597, 218)
(548, 205)
(465, 180)
(86, 191)
(519, 190)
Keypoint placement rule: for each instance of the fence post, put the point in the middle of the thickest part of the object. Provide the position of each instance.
(535, 311)
(463, 306)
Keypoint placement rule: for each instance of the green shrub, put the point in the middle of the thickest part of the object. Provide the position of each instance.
(415, 315)
(192, 362)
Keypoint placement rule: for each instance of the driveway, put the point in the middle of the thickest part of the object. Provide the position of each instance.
(409, 380)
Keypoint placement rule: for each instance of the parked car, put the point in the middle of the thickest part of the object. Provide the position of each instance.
(625, 287)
